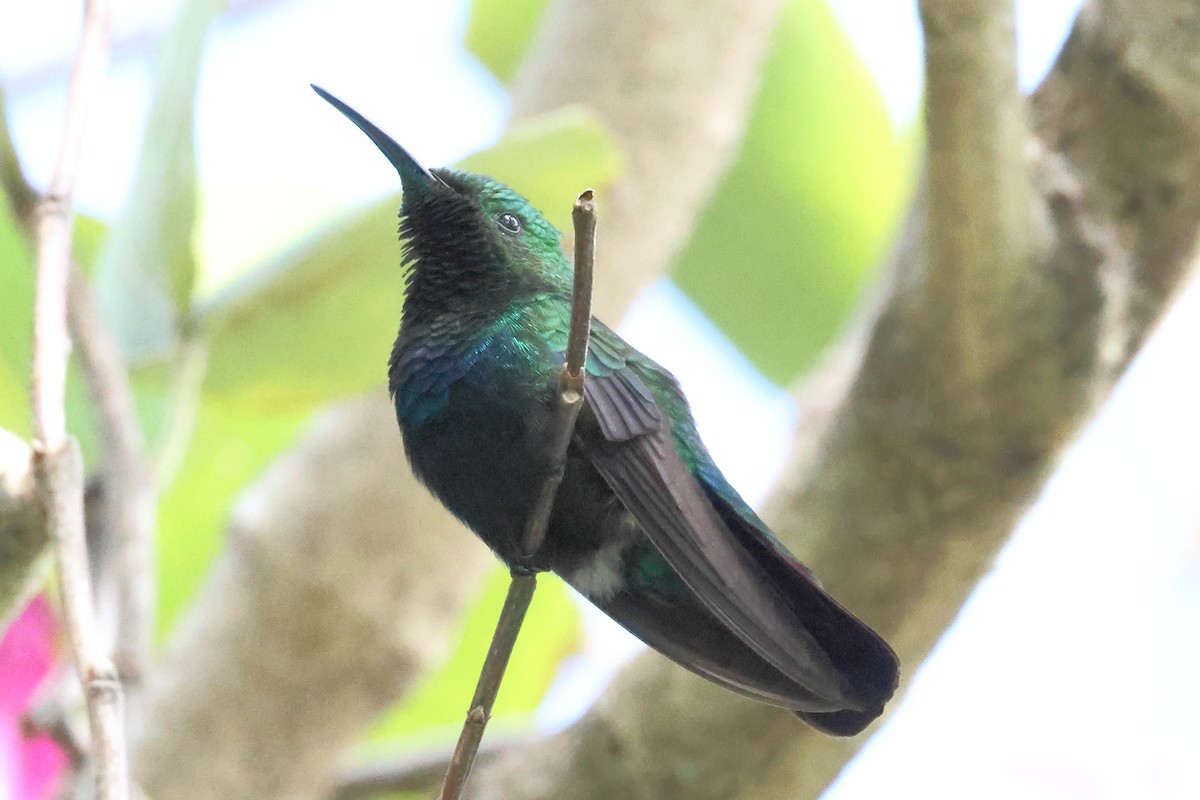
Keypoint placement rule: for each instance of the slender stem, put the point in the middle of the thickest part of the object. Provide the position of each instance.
(567, 403)
(57, 463)
(583, 215)
(516, 603)
(569, 399)
(129, 498)
(413, 773)
(60, 483)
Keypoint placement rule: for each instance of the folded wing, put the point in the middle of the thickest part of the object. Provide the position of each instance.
(753, 618)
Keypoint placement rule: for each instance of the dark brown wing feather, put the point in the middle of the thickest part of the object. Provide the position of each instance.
(785, 641)
(686, 632)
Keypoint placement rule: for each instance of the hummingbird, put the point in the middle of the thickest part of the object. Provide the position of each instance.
(644, 524)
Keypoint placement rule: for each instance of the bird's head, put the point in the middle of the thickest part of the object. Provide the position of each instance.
(472, 243)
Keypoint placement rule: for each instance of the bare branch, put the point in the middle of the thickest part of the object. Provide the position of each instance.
(58, 465)
(60, 482)
(583, 215)
(567, 403)
(978, 194)
(569, 399)
(412, 773)
(516, 603)
(129, 499)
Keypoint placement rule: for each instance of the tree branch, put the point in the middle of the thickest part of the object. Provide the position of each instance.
(569, 399)
(516, 603)
(411, 773)
(58, 466)
(567, 403)
(978, 191)
(60, 482)
(129, 501)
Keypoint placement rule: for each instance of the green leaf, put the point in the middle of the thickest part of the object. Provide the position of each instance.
(16, 288)
(784, 248)
(550, 633)
(145, 274)
(499, 32)
(16, 322)
(14, 401)
(319, 322)
(314, 325)
(229, 447)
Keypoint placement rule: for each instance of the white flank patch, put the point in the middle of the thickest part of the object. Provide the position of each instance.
(600, 578)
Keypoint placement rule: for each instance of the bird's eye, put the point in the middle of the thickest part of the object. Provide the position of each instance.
(510, 222)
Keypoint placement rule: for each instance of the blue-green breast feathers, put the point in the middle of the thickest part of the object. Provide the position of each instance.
(643, 523)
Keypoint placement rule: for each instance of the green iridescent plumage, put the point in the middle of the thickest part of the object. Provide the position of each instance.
(644, 524)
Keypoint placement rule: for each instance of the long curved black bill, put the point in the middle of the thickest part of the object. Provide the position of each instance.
(413, 176)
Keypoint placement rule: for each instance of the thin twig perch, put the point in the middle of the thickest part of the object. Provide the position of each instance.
(58, 465)
(567, 403)
(414, 772)
(130, 494)
(128, 502)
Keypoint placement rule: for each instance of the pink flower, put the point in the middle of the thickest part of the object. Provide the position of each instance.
(29, 767)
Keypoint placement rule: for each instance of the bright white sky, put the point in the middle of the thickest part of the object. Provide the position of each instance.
(1072, 671)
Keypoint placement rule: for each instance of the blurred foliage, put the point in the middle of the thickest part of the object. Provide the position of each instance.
(542, 156)
(808, 208)
(499, 32)
(805, 214)
(281, 337)
(147, 268)
(16, 321)
(230, 446)
(19, 196)
(16, 287)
